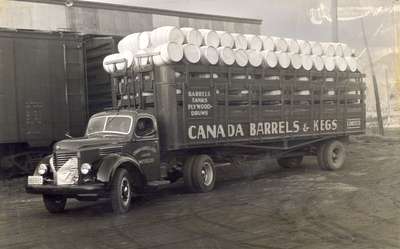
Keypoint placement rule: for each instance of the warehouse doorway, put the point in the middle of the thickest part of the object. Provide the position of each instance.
(98, 81)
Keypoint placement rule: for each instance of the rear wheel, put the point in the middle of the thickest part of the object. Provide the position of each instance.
(203, 174)
(54, 203)
(331, 155)
(290, 162)
(121, 191)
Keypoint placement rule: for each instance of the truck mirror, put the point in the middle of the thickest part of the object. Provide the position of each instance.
(68, 135)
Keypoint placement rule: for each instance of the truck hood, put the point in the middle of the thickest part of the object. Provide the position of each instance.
(77, 144)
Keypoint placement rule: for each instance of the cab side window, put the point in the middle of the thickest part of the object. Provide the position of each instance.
(145, 127)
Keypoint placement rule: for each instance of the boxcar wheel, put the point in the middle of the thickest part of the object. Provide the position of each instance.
(332, 155)
(203, 174)
(290, 162)
(54, 203)
(121, 191)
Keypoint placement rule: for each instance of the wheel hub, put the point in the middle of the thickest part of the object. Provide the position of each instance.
(207, 174)
(125, 191)
(335, 154)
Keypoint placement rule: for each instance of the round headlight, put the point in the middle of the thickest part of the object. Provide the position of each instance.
(42, 169)
(85, 168)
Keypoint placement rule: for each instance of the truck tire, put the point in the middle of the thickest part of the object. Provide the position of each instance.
(203, 174)
(54, 203)
(121, 191)
(331, 155)
(290, 162)
(187, 173)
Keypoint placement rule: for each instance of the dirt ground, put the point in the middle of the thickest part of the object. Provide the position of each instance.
(258, 205)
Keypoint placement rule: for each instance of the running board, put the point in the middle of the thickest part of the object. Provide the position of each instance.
(158, 183)
(218, 165)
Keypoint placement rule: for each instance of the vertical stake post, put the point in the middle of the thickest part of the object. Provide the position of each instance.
(375, 83)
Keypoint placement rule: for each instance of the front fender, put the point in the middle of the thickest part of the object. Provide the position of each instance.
(111, 162)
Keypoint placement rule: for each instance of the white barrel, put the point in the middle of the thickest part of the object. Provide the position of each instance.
(316, 48)
(270, 58)
(129, 43)
(329, 63)
(338, 49)
(318, 63)
(240, 41)
(191, 53)
(145, 40)
(340, 63)
(226, 39)
(267, 43)
(293, 46)
(192, 36)
(169, 53)
(167, 34)
(241, 57)
(255, 57)
(280, 44)
(226, 56)
(328, 48)
(306, 62)
(352, 63)
(120, 66)
(253, 42)
(295, 60)
(210, 38)
(209, 55)
(305, 47)
(283, 59)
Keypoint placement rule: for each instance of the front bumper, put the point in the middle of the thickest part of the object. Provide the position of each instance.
(71, 190)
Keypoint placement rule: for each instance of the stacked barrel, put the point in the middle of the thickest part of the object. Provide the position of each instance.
(170, 45)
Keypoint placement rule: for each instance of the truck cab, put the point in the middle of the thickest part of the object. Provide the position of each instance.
(118, 153)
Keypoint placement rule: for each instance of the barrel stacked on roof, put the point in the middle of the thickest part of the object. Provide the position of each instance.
(170, 45)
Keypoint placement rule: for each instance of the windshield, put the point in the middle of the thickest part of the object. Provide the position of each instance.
(110, 124)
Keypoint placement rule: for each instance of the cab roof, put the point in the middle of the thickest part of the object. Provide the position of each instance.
(124, 111)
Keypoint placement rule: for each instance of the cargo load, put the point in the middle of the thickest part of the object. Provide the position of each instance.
(178, 44)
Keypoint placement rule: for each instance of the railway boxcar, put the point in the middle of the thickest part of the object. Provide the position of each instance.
(41, 94)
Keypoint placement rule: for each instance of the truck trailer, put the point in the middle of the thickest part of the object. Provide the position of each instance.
(184, 120)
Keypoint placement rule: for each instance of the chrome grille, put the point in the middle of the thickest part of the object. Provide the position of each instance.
(110, 150)
(61, 157)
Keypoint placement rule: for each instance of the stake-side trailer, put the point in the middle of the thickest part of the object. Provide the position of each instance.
(183, 120)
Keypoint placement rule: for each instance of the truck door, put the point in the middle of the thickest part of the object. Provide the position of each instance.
(146, 149)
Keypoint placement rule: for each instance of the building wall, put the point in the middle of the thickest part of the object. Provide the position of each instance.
(107, 19)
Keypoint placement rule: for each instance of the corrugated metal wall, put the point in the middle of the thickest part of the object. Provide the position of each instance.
(106, 19)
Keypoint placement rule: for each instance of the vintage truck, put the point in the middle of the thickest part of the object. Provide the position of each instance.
(182, 121)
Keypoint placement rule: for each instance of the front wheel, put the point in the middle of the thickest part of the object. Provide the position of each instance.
(121, 191)
(54, 203)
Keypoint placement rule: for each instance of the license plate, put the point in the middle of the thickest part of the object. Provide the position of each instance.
(35, 180)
